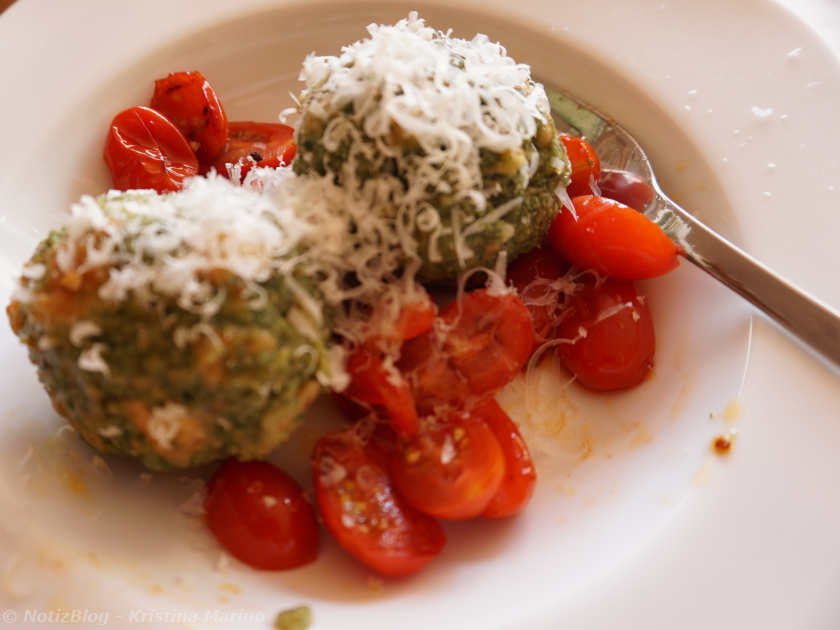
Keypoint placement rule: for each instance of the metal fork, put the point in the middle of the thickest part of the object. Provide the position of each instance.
(803, 315)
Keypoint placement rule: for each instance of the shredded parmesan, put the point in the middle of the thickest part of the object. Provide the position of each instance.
(565, 200)
(34, 271)
(494, 215)
(444, 91)
(82, 330)
(91, 359)
(613, 310)
(110, 431)
(183, 336)
(45, 343)
(447, 451)
(163, 244)
(165, 423)
(331, 472)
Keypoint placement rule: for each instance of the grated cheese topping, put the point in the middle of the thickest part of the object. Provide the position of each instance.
(344, 239)
(165, 424)
(442, 90)
(91, 359)
(110, 431)
(162, 244)
(409, 85)
(83, 330)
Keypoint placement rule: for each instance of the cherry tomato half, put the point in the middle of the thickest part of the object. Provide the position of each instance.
(537, 277)
(397, 317)
(259, 514)
(254, 143)
(613, 239)
(190, 102)
(586, 167)
(520, 475)
(145, 150)
(487, 340)
(416, 317)
(452, 469)
(363, 512)
(490, 339)
(618, 347)
(371, 383)
(625, 187)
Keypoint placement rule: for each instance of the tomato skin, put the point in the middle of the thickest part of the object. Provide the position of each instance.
(487, 341)
(517, 486)
(354, 505)
(434, 381)
(190, 102)
(259, 514)
(613, 239)
(451, 470)
(144, 149)
(372, 384)
(397, 317)
(350, 410)
(496, 338)
(627, 188)
(272, 143)
(415, 317)
(586, 167)
(533, 275)
(617, 351)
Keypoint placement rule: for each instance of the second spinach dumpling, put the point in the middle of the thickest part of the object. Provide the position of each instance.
(178, 329)
(449, 139)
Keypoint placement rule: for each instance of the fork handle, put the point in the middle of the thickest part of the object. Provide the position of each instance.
(806, 317)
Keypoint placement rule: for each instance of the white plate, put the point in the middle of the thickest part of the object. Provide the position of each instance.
(635, 523)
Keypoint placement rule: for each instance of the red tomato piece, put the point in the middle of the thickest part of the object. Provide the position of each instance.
(350, 409)
(434, 381)
(487, 341)
(586, 167)
(613, 239)
(451, 470)
(520, 475)
(190, 102)
(398, 317)
(627, 188)
(364, 514)
(254, 143)
(259, 514)
(145, 150)
(536, 276)
(416, 317)
(491, 338)
(371, 383)
(618, 347)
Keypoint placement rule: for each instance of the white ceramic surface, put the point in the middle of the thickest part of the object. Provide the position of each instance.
(635, 523)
